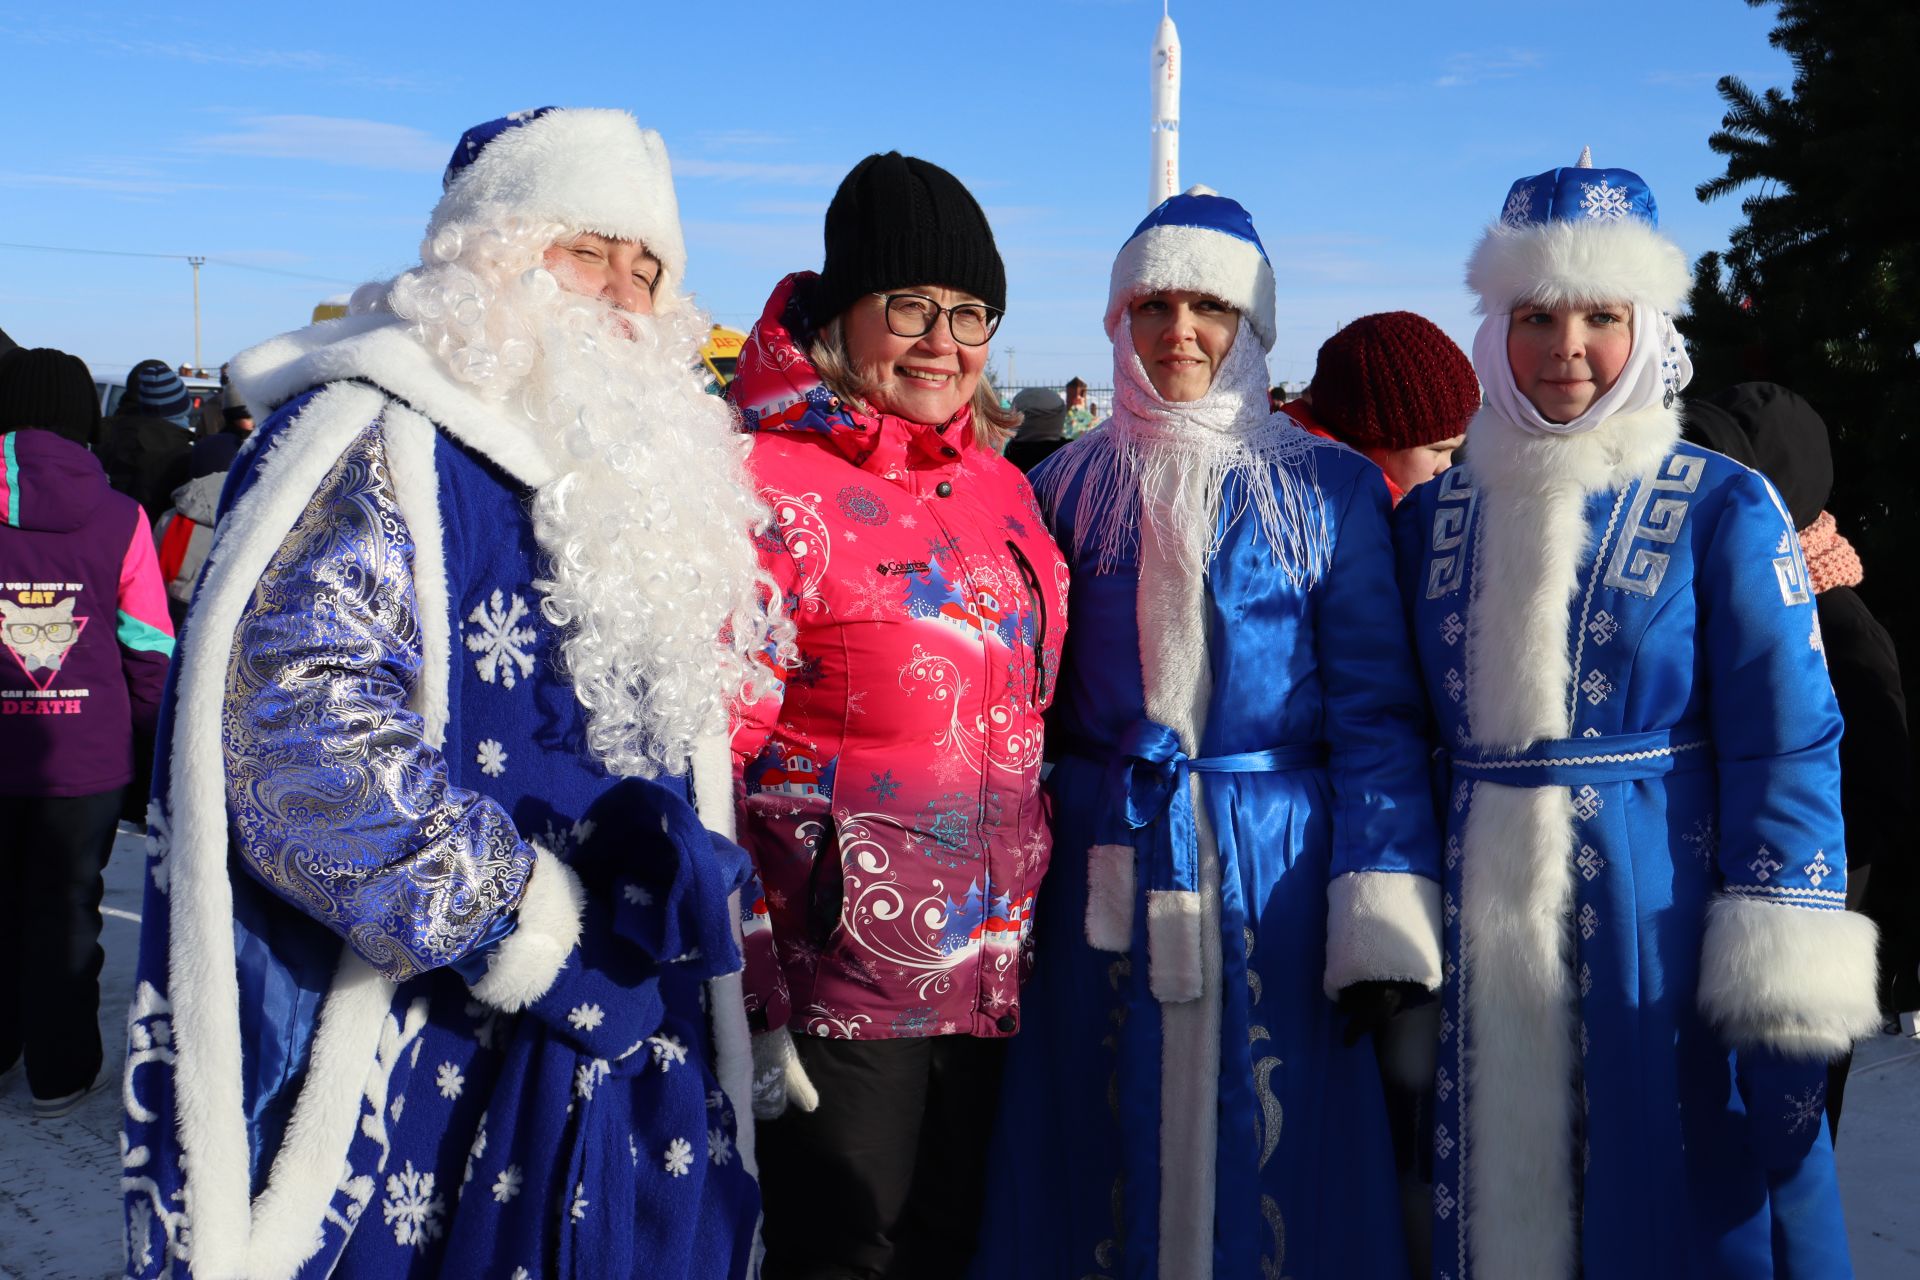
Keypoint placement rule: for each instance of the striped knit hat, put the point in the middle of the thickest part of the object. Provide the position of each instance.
(155, 391)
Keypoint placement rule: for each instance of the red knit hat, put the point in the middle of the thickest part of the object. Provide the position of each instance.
(1393, 381)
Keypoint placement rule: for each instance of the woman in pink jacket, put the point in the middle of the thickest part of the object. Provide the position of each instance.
(890, 791)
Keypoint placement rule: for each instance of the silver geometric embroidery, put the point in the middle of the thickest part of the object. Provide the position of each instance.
(1590, 862)
(1596, 686)
(1604, 201)
(1586, 978)
(1443, 1202)
(1451, 628)
(1442, 1142)
(1603, 627)
(1454, 684)
(1589, 921)
(1818, 870)
(1453, 852)
(1460, 794)
(1587, 802)
(1443, 1084)
(1448, 905)
(1764, 864)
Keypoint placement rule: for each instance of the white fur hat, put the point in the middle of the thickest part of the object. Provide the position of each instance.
(587, 168)
(1578, 235)
(1201, 241)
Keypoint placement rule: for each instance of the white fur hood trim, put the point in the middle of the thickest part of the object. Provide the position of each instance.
(1789, 978)
(1557, 263)
(586, 168)
(1209, 262)
(381, 350)
(1508, 459)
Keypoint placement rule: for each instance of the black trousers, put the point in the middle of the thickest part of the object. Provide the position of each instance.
(886, 1179)
(53, 850)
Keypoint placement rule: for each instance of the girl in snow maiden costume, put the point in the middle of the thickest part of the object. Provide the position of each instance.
(1244, 826)
(1648, 954)
(437, 971)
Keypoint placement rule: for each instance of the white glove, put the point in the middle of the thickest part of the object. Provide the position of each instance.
(778, 1076)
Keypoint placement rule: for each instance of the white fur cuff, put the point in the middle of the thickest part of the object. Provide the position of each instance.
(779, 1077)
(1173, 945)
(1795, 979)
(528, 960)
(1110, 897)
(1382, 926)
(1556, 263)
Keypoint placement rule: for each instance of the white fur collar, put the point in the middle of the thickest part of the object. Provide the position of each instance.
(1507, 457)
(379, 349)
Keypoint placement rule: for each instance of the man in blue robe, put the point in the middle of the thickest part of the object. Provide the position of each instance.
(438, 968)
(1648, 956)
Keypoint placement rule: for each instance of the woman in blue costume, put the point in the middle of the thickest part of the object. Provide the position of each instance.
(1245, 832)
(1648, 955)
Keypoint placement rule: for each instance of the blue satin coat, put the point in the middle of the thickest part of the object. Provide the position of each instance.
(1304, 1171)
(1702, 760)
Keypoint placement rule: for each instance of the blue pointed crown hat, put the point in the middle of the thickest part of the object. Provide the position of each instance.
(1578, 234)
(584, 168)
(1201, 241)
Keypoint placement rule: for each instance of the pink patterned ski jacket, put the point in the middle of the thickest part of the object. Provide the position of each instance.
(890, 790)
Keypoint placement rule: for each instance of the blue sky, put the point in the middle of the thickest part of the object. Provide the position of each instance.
(1370, 141)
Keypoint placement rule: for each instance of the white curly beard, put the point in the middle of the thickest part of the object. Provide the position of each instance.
(647, 524)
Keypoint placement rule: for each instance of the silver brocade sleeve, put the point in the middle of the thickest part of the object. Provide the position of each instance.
(338, 803)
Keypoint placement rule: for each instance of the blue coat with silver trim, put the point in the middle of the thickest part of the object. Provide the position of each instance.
(1648, 960)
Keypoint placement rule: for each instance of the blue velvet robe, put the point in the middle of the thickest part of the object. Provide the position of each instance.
(1701, 761)
(587, 1137)
(1317, 677)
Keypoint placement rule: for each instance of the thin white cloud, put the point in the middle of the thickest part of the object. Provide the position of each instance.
(366, 144)
(125, 186)
(1487, 64)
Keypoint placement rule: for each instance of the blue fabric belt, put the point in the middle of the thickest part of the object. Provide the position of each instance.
(1147, 782)
(1571, 762)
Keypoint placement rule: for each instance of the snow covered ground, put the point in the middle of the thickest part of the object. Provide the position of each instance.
(60, 1207)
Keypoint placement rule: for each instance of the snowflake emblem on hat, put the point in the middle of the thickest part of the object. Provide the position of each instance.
(1519, 210)
(1603, 201)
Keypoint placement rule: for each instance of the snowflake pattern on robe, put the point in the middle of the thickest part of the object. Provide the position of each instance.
(411, 1207)
(678, 1158)
(500, 641)
(491, 757)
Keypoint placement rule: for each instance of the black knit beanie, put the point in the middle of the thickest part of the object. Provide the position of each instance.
(49, 390)
(897, 222)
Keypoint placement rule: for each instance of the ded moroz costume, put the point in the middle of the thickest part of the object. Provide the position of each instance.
(1648, 960)
(437, 973)
(1244, 829)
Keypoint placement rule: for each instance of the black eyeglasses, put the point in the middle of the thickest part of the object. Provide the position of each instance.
(913, 315)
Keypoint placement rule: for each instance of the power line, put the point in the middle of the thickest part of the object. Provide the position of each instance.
(180, 257)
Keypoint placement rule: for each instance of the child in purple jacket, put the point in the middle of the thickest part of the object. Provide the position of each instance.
(86, 639)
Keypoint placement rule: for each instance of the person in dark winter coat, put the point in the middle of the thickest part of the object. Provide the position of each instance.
(1776, 432)
(84, 623)
(1043, 423)
(144, 445)
(891, 788)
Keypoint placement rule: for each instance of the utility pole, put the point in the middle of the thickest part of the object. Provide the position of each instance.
(195, 262)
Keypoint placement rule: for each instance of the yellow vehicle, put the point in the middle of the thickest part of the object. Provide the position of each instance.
(720, 353)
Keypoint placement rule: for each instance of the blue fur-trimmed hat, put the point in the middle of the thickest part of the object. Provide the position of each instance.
(1578, 234)
(1201, 241)
(585, 168)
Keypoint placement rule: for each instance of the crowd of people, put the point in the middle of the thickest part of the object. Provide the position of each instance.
(860, 827)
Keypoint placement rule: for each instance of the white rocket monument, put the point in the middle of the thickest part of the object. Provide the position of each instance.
(1166, 112)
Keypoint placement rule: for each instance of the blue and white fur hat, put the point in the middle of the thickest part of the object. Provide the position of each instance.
(1578, 235)
(586, 168)
(1202, 241)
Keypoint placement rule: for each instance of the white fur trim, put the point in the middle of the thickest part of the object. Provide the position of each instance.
(1382, 926)
(779, 1077)
(546, 932)
(410, 443)
(1110, 889)
(1559, 262)
(1520, 1003)
(1789, 978)
(1210, 262)
(712, 777)
(379, 349)
(587, 168)
(1171, 617)
(1174, 943)
(203, 985)
(322, 1126)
